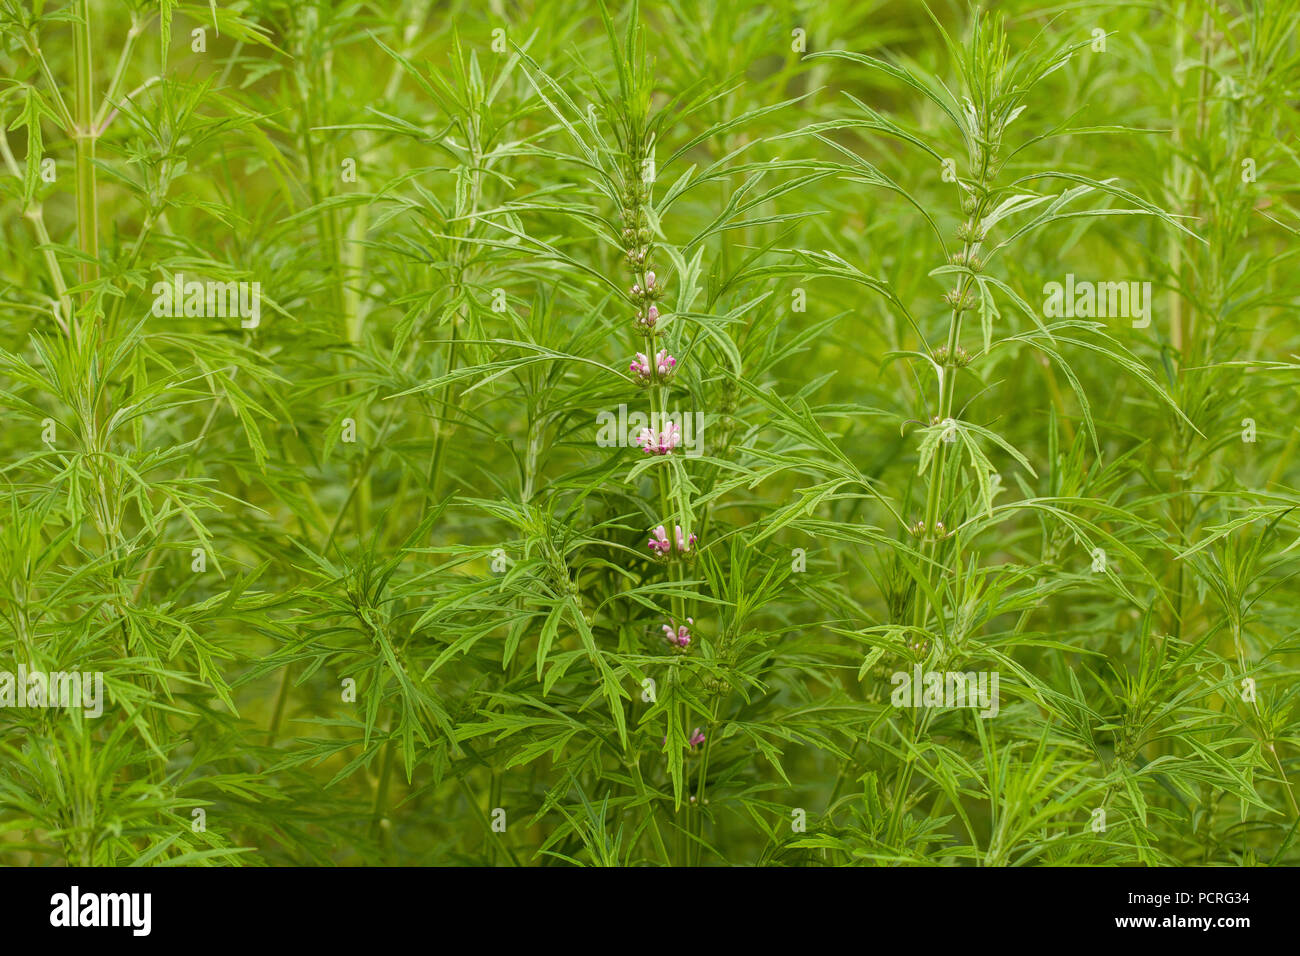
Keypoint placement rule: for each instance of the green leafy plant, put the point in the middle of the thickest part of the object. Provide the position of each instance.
(594, 435)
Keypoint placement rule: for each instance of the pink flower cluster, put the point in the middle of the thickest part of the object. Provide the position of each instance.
(646, 372)
(662, 443)
(661, 546)
(680, 637)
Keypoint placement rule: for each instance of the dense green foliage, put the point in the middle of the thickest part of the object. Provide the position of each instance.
(368, 583)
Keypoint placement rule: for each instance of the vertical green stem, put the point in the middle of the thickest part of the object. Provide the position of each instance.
(930, 538)
(84, 133)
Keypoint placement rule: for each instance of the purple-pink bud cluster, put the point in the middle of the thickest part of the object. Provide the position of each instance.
(660, 545)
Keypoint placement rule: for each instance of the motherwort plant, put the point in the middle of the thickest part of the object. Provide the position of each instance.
(682, 346)
(625, 172)
(951, 615)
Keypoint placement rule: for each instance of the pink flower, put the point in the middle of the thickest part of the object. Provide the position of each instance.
(697, 738)
(661, 444)
(640, 369)
(665, 364)
(659, 543)
(684, 544)
(681, 637)
(649, 281)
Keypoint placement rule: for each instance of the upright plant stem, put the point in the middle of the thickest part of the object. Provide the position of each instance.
(931, 539)
(84, 133)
